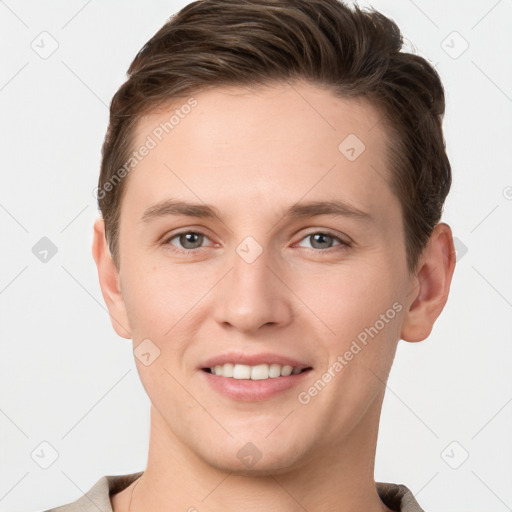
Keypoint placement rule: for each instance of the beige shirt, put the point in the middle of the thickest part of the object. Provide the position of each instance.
(396, 496)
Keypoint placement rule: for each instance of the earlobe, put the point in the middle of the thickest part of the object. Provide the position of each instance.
(109, 281)
(432, 285)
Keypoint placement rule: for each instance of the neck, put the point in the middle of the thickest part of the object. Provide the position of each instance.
(333, 478)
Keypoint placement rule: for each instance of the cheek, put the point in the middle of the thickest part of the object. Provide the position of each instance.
(346, 301)
(156, 298)
(360, 312)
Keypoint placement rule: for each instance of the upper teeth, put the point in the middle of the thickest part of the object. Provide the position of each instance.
(258, 372)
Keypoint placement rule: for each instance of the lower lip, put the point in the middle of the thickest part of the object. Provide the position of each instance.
(253, 390)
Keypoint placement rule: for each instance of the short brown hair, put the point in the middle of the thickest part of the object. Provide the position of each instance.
(350, 51)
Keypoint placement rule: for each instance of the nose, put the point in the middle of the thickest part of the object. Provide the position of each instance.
(253, 294)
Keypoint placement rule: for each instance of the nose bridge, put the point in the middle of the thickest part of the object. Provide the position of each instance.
(251, 265)
(252, 295)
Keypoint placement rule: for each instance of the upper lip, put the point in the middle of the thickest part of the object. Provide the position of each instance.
(253, 360)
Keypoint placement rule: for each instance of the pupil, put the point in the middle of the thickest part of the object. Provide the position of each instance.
(321, 235)
(185, 239)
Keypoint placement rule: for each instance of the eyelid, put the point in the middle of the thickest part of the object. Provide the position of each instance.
(325, 231)
(170, 236)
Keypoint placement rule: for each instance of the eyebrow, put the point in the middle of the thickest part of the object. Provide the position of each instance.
(173, 207)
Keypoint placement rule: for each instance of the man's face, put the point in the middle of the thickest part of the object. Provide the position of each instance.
(255, 280)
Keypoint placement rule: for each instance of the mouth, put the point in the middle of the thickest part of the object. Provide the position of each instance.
(263, 371)
(253, 377)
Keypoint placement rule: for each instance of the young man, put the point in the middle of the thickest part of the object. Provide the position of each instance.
(271, 187)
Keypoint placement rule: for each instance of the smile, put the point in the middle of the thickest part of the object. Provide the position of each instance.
(257, 372)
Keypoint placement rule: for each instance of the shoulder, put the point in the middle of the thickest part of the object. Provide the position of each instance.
(97, 498)
(398, 497)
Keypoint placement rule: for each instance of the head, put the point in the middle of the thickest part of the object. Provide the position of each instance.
(250, 109)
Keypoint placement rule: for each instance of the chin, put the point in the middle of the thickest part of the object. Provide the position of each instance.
(263, 457)
(262, 468)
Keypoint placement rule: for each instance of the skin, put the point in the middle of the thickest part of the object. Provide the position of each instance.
(252, 153)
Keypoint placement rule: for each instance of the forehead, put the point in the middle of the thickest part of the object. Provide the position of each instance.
(261, 147)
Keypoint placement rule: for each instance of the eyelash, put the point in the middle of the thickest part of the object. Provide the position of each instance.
(342, 245)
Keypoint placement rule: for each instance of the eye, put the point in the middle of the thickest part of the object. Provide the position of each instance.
(189, 240)
(322, 241)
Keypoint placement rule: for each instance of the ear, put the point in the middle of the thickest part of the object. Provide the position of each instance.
(432, 284)
(109, 281)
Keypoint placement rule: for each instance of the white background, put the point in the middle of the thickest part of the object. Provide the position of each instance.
(69, 380)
